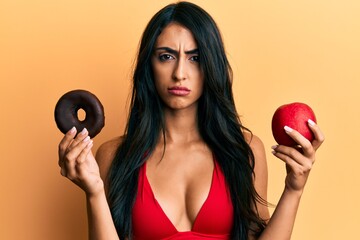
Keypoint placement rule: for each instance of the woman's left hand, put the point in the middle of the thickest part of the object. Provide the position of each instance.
(299, 160)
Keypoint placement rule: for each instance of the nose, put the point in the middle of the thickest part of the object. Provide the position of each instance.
(179, 72)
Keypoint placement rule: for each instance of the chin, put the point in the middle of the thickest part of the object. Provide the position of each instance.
(178, 106)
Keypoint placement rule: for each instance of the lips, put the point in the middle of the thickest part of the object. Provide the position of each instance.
(179, 91)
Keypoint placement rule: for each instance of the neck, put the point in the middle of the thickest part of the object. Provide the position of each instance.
(181, 125)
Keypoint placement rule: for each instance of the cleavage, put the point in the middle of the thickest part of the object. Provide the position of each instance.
(181, 201)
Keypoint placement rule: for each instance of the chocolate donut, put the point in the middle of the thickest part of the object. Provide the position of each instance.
(66, 112)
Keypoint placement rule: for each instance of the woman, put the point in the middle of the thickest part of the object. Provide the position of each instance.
(186, 168)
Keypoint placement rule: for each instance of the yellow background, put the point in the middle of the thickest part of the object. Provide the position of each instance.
(281, 51)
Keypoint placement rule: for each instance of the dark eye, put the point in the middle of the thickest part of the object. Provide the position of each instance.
(165, 57)
(195, 58)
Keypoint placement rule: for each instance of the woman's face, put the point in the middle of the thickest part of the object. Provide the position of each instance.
(175, 62)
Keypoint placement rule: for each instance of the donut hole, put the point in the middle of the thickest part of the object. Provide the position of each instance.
(81, 114)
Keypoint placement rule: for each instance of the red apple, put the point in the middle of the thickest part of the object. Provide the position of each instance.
(294, 115)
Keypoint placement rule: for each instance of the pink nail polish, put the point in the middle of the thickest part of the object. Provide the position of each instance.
(83, 131)
(311, 122)
(288, 129)
(72, 130)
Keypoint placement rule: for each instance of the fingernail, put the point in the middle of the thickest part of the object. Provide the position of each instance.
(86, 139)
(90, 144)
(311, 122)
(273, 152)
(72, 130)
(274, 147)
(83, 131)
(288, 129)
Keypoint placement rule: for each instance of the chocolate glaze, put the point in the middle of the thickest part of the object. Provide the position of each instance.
(66, 112)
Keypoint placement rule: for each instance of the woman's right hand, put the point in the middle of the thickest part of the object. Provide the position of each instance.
(77, 162)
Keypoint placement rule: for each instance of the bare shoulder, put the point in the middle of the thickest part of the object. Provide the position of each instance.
(258, 150)
(105, 155)
(260, 170)
(254, 142)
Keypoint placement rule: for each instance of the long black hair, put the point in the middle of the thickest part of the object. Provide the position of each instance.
(218, 122)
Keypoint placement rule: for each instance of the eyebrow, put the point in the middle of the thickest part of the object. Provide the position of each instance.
(172, 51)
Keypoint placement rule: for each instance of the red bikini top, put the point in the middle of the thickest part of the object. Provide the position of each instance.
(214, 220)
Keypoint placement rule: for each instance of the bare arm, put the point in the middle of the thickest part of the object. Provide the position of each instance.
(298, 166)
(101, 225)
(79, 165)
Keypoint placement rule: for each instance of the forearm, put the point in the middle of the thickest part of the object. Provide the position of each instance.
(101, 225)
(282, 221)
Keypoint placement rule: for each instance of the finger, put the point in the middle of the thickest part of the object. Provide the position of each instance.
(288, 154)
(80, 137)
(286, 159)
(319, 136)
(62, 172)
(82, 161)
(298, 164)
(85, 152)
(72, 156)
(305, 144)
(64, 144)
(296, 136)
